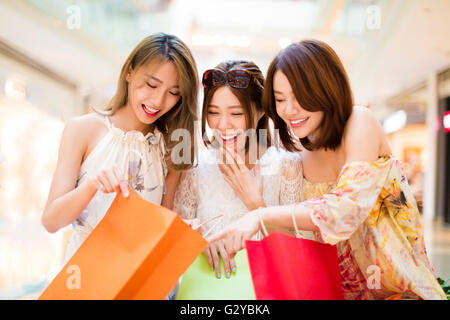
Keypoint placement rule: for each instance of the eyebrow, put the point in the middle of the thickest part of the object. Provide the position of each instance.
(229, 107)
(159, 80)
(275, 91)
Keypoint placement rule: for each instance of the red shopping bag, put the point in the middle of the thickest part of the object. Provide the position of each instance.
(288, 268)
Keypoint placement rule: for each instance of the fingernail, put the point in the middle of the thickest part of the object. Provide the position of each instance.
(126, 193)
(228, 275)
(218, 276)
(234, 269)
(212, 269)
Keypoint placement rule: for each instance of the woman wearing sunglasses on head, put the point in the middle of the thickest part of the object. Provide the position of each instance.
(227, 179)
(355, 193)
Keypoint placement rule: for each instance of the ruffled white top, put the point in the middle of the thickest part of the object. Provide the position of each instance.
(203, 193)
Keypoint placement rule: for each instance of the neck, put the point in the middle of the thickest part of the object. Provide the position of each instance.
(126, 119)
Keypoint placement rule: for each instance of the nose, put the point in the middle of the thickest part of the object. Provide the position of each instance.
(292, 107)
(158, 97)
(223, 123)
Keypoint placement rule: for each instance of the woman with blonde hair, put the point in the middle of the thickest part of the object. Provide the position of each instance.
(129, 144)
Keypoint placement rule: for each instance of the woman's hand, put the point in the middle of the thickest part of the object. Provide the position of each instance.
(247, 186)
(234, 236)
(111, 180)
(212, 255)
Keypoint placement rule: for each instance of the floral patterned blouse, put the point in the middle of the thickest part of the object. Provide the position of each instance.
(371, 216)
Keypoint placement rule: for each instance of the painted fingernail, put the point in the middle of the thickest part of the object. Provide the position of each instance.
(228, 275)
(212, 269)
(234, 269)
(218, 276)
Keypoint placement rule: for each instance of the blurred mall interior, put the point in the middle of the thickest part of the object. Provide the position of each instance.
(58, 58)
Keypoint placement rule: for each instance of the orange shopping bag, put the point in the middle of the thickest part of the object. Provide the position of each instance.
(137, 251)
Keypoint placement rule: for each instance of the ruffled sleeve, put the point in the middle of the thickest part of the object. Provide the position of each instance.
(338, 214)
(291, 178)
(186, 195)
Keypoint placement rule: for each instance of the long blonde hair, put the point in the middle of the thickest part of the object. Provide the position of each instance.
(157, 49)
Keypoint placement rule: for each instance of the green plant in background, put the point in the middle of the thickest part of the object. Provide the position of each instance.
(445, 284)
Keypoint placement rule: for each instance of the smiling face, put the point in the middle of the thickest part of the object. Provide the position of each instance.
(153, 91)
(226, 118)
(303, 123)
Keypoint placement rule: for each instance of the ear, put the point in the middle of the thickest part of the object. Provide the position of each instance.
(129, 74)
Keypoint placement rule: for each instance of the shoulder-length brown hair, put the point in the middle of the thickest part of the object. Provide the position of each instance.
(250, 99)
(157, 49)
(319, 83)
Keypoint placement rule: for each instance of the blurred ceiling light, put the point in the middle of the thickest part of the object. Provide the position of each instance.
(298, 15)
(284, 42)
(219, 40)
(203, 40)
(395, 122)
(15, 89)
(446, 121)
(237, 41)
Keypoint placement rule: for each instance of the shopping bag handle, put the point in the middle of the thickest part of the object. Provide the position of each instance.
(297, 232)
(264, 229)
(219, 216)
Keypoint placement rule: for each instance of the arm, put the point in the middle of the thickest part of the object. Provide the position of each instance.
(172, 179)
(340, 212)
(66, 201)
(337, 214)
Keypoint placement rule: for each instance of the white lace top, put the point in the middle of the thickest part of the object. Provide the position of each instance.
(203, 193)
(141, 156)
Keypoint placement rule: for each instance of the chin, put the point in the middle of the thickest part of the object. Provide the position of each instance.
(301, 133)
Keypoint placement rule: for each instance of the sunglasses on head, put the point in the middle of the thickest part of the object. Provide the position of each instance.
(237, 78)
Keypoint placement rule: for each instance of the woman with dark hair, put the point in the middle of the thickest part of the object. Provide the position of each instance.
(262, 174)
(354, 192)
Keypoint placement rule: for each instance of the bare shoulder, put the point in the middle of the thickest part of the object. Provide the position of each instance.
(87, 126)
(363, 136)
(89, 123)
(82, 132)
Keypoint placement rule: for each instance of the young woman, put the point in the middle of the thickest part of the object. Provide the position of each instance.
(101, 154)
(354, 193)
(232, 109)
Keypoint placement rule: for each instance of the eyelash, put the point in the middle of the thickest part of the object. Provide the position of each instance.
(153, 87)
(233, 114)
